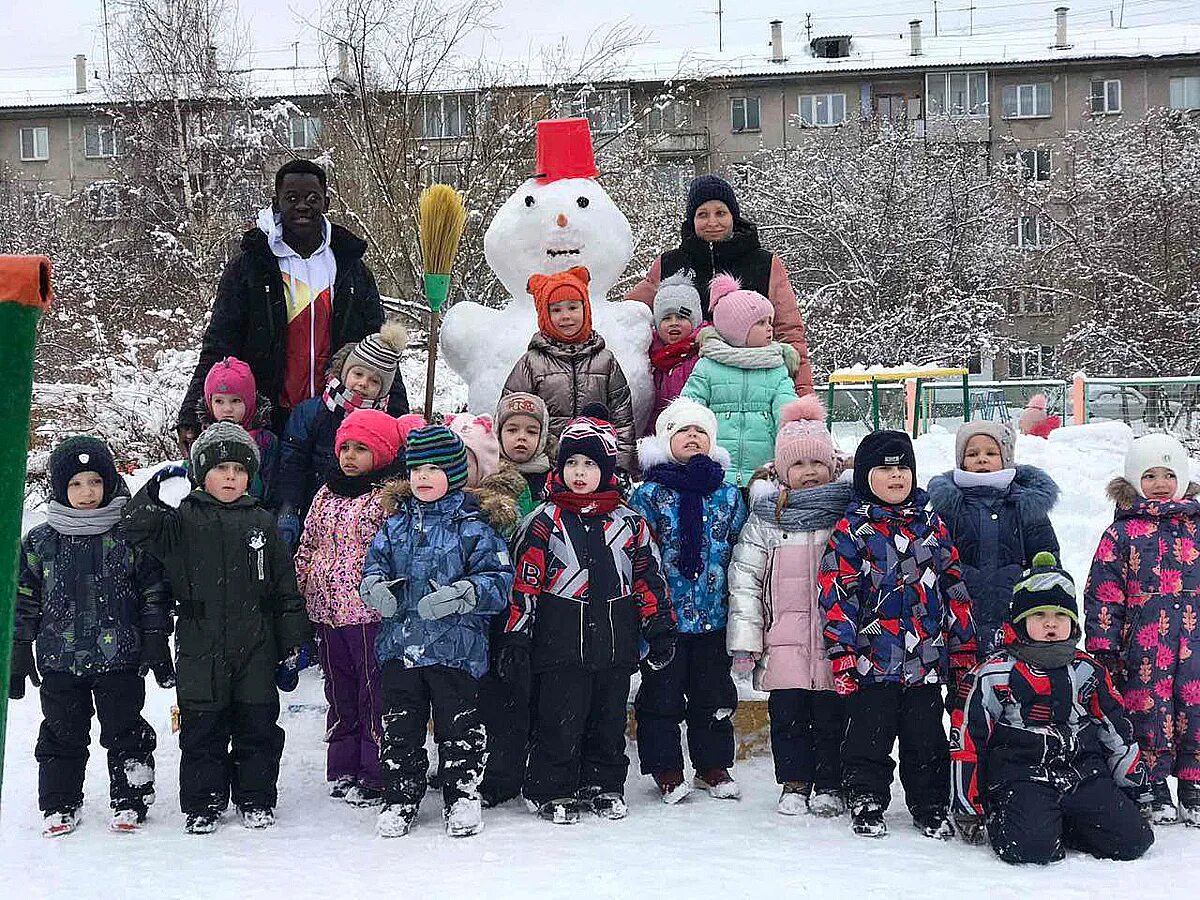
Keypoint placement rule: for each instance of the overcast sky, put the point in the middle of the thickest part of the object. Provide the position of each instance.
(42, 36)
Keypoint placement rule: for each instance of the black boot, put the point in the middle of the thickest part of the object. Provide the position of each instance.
(1189, 802)
(866, 816)
(1162, 808)
(934, 823)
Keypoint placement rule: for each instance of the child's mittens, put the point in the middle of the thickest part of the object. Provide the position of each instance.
(456, 598)
(512, 663)
(845, 677)
(970, 827)
(744, 662)
(288, 526)
(169, 485)
(662, 651)
(23, 666)
(156, 658)
(378, 593)
(287, 675)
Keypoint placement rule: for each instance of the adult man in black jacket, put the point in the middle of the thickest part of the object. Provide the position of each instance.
(254, 307)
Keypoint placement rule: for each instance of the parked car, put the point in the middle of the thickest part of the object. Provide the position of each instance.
(1123, 403)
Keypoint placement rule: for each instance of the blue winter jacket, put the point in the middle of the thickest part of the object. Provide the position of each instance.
(432, 545)
(997, 532)
(702, 605)
(306, 455)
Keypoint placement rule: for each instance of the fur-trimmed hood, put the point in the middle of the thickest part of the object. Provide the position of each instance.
(652, 451)
(1034, 492)
(495, 507)
(1129, 502)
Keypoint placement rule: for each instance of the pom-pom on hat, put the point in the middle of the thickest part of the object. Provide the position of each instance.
(558, 288)
(1153, 450)
(437, 445)
(593, 437)
(407, 424)
(479, 437)
(734, 311)
(803, 435)
(1002, 434)
(679, 414)
(82, 453)
(1044, 586)
(376, 430)
(677, 295)
(223, 442)
(380, 353)
(232, 376)
(1033, 415)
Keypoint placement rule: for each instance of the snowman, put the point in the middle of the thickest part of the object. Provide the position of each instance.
(559, 218)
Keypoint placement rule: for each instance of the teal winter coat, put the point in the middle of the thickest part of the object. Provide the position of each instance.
(746, 388)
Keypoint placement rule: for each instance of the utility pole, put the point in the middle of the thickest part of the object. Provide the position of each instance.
(808, 28)
(971, 19)
(935, 24)
(107, 47)
(720, 26)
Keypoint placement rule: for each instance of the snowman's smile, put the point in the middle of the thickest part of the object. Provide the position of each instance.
(552, 252)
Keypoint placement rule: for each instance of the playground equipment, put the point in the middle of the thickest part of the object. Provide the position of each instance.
(914, 380)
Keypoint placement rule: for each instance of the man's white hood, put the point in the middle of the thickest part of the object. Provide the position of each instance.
(270, 224)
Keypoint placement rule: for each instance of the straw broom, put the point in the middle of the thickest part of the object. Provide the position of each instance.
(441, 218)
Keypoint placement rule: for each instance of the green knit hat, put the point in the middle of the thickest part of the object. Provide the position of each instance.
(437, 445)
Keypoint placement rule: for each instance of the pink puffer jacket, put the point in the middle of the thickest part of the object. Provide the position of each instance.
(329, 561)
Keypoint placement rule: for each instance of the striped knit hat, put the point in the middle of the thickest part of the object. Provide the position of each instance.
(437, 445)
(380, 353)
(595, 438)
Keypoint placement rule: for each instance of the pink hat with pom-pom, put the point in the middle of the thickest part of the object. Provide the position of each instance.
(734, 311)
(803, 435)
(1033, 415)
(479, 437)
(407, 424)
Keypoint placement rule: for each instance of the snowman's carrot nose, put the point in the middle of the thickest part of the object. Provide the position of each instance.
(561, 220)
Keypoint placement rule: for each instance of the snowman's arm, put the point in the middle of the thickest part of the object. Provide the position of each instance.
(520, 379)
(645, 289)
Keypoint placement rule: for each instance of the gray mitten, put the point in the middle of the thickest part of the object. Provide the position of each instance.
(379, 593)
(458, 597)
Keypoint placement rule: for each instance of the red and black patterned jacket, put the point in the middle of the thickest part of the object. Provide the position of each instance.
(587, 588)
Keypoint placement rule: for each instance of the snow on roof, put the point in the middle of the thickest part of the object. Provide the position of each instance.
(56, 87)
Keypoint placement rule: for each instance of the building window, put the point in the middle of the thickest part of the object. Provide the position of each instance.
(1030, 301)
(1185, 92)
(305, 130)
(957, 94)
(666, 116)
(104, 201)
(35, 144)
(1031, 362)
(822, 110)
(442, 173)
(743, 112)
(606, 110)
(101, 141)
(1029, 231)
(1106, 96)
(1035, 164)
(1026, 101)
(448, 116)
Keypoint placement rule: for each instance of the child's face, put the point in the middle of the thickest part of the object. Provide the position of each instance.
(1048, 625)
(808, 473)
(581, 474)
(85, 491)
(355, 458)
(891, 484)
(227, 481)
(761, 333)
(688, 442)
(228, 408)
(364, 382)
(567, 316)
(982, 454)
(1159, 483)
(519, 438)
(674, 327)
(429, 483)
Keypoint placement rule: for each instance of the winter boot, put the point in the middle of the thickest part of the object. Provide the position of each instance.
(826, 804)
(564, 811)
(1162, 807)
(341, 787)
(585, 796)
(363, 797)
(1189, 802)
(492, 798)
(933, 823)
(465, 817)
(127, 821)
(60, 822)
(609, 805)
(256, 819)
(671, 786)
(396, 819)
(719, 784)
(793, 800)
(201, 823)
(866, 816)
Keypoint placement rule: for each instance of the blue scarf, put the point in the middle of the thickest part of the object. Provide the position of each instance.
(693, 481)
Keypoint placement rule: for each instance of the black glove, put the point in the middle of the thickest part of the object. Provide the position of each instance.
(156, 658)
(161, 477)
(1112, 661)
(23, 666)
(970, 827)
(296, 660)
(512, 664)
(662, 651)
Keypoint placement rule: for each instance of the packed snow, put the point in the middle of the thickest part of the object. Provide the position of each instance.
(699, 848)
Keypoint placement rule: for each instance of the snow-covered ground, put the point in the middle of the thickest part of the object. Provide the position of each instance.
(701, 848)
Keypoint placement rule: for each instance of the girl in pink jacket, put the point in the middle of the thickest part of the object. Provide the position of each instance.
(344, 518)
(775, 620)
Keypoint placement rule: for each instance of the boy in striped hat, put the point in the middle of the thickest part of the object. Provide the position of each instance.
(437, 572)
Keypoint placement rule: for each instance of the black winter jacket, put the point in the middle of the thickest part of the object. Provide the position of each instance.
(249, 319)
(235, 588)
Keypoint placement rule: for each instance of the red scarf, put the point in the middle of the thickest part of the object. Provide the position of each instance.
(597, 503)
(665, 357)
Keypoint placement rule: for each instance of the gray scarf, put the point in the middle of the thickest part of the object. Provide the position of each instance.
(1045, 655)
(85, 522)
(811, 509)
(716, 348)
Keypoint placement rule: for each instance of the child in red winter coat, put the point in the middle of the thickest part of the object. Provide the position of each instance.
(673, 349)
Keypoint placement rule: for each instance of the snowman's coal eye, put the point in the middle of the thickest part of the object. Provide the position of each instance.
(583, 202)
(529, 201)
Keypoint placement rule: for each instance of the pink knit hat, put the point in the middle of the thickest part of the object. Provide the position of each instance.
(374, 429)
(479, 436)
(803, 435)
(1033, 415)
(232, 376)
(408, 423)
(734, 311)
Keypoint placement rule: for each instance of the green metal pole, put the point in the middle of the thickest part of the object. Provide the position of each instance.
(875, 402)
(829, 408)
(917, 408)
(24, 293)
(966, 398)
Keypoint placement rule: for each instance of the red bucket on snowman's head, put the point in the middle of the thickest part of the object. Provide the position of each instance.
(564, 150)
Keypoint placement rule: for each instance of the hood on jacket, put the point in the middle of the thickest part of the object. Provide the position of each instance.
(652, 451)
(551, 347)
(1033, 490)
(270, 224)
(497, 496)
(1127, 499)
(498, 511)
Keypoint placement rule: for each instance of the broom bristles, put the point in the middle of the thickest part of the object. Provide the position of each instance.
(441, 219)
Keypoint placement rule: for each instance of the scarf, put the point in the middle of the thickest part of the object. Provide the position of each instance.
(597, 503)
(998, 480)
(811, 509)
(344, 485)
(1045, 655)
(539, 465)
(775, 354)
(338, 396)
(665, 357)
(85, 522)
(693, 481)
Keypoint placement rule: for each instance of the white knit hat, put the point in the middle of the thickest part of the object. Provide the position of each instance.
(679, 414)
(1153, 450)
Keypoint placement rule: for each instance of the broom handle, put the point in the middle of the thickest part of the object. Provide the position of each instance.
(431, 364)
